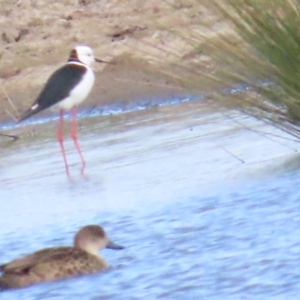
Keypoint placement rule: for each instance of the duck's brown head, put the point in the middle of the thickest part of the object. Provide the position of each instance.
(92, 238)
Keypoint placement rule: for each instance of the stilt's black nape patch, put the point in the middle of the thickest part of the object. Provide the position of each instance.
(73, 56)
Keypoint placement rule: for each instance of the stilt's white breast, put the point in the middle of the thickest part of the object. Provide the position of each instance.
(80, 92)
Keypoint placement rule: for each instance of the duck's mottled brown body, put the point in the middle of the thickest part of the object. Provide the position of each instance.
(61, 262)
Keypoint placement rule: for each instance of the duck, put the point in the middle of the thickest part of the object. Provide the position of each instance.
(57, 263)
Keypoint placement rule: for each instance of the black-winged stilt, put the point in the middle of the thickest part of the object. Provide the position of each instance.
(66, 88)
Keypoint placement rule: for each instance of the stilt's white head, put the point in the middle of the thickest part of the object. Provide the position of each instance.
(85, 54)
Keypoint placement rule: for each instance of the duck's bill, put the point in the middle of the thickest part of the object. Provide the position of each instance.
(103, 61)
(114, 246)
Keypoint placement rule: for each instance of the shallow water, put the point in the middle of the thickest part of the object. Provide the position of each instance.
(206, 208)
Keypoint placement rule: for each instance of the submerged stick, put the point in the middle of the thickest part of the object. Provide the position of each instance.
(14, 137)
(233, 155)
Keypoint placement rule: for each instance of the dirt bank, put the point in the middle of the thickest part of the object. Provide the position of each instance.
(36, 37)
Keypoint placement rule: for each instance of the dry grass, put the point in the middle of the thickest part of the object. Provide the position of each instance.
(249, 43)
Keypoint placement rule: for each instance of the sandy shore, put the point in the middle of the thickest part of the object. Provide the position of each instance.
(137, 36)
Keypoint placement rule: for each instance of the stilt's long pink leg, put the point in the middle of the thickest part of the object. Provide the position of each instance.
(74, 137)
(60, 138)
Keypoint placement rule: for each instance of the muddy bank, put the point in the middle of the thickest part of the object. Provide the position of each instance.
(36, 37)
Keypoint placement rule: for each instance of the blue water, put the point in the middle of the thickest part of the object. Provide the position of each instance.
(110, 109)
(242, 244)
(196, 223)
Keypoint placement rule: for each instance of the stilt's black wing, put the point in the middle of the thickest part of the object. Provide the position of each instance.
(57, 88)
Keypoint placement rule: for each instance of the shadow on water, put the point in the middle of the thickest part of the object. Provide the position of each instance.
(206, 207)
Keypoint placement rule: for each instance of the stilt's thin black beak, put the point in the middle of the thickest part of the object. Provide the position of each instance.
(102, 61)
